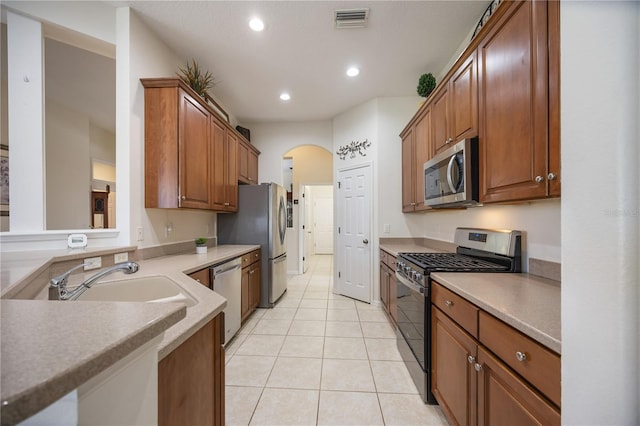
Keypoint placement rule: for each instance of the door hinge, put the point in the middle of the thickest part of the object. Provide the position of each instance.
(338, 229)
(303, 227)
(338, 274)
(339, 185)
(304, 258)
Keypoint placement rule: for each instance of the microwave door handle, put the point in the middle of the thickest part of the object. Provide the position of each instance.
(449, 168)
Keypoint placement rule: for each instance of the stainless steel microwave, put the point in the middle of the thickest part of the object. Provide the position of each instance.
(451, 177)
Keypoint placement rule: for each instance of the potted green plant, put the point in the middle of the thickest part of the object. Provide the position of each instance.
(200, 82)
(201, 245)
(426, 84)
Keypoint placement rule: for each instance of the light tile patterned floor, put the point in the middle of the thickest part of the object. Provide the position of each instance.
(318, 358)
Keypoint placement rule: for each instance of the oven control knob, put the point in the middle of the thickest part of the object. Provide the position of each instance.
(418, 276)
(407, 270)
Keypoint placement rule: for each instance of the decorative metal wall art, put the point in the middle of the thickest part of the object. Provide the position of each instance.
(352, 148)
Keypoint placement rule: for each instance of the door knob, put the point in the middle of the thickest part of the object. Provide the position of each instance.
(365, 241)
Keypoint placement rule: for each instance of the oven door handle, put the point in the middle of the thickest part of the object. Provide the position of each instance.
(412, 286)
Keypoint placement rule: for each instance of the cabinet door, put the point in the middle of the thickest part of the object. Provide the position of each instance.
(384, 286)
(440, 117)
(505, 399)
(252, 168)
(231, 172)
(423, 152)
(454, 378)
(245, 291)
(193, 154)
(393, 296)
(513, 99)
(243, 162)
(553, 175)
(254, 286)
(218, 142)
(408, 180)
(464, 100)
(191, 379)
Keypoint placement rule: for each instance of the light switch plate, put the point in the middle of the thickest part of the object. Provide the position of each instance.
(92, 263)
(120, 257)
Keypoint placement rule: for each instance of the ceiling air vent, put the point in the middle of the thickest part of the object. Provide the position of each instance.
(351, 18)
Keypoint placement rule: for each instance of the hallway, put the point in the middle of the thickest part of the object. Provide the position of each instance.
(319, 358)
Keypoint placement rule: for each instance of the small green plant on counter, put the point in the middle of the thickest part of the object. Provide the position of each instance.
(201, 241)
(194, 78)
(426, 84)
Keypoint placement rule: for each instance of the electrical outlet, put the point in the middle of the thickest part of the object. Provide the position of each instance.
(140, 233)
(92, 263)
(387, 228)
(120, 257)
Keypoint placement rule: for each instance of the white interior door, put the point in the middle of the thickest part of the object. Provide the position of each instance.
(323, 225)
(354, 231)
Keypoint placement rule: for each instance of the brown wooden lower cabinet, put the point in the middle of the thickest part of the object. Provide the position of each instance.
(475, 386)
(202, 276)
(250, 284)
(191, 379)
(388, 286)
(505, 399)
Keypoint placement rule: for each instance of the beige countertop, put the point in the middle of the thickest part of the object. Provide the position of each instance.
(33, 326)
(528, 303)
(50, 348)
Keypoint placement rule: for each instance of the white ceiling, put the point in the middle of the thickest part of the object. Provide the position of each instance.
(301, 52)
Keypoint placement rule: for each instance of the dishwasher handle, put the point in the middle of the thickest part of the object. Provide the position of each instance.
(226, 267)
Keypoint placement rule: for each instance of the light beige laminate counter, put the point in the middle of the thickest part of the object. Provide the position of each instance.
(529, 303)
(51, 348)
(33, 327)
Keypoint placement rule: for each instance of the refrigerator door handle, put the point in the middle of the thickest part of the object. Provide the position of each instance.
(280, 259)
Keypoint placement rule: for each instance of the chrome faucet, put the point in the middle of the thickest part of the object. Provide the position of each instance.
(58, 285)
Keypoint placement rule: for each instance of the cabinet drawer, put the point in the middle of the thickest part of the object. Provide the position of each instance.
(249, 258)
(383, 257)
(534, 362)
(459, 309)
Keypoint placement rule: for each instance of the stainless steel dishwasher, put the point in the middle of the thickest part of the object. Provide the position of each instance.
(227, 281)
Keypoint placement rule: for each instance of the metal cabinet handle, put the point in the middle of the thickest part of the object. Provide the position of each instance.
(413, 204)
(449, 303)
(552, 176)
(539, 179)
(478, 367)
(471, 359)
(521, 356)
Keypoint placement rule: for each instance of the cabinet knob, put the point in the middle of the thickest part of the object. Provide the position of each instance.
(521, 356)
(197, 279)
(448, 141)
(449, 303)
(226, 204)
(183, 197)
(478, 367)
(539, 179)
(471, 359)
(413, 204)
(552, 176)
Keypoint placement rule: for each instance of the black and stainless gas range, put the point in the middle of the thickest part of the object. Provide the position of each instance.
(478, 250)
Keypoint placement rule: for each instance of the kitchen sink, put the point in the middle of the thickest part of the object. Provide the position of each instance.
(152, 289)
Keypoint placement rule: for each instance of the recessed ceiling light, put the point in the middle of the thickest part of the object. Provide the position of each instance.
(353, 71)
(256, 24)
(285, 96)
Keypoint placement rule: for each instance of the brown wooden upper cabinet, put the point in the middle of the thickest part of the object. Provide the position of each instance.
(417, 148)
(247, 162)
(518, 78)
(190, 152)
(505, 89)
(455, 105)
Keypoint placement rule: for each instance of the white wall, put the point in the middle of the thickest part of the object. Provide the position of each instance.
(600, 45)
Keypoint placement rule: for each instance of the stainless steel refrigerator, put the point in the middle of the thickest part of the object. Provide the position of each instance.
(261, 219)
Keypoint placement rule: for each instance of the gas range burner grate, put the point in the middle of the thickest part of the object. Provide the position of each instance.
(434, 262)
